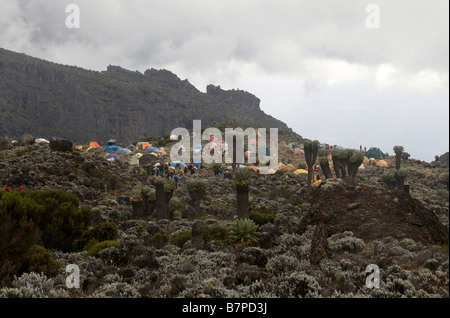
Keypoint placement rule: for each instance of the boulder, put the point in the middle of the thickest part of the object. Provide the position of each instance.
(26, 140)
(60, 144)
(5, 144)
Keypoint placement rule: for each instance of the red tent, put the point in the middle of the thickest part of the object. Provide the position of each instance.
(94, 144)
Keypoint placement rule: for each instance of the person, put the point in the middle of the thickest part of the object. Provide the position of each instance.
(7, 189)
(21, 189)
(157, 170)
(360, 148)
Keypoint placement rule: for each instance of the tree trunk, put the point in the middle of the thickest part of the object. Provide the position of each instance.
(398, 160)
(400, 182)
(167, 214)
(160, 204)
(337, 166)
(326, 170)
(196, 197)
(319, 245)
(139, 209)
(343, 166)
(242, 201)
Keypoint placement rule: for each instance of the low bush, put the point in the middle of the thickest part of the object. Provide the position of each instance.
(95, 250)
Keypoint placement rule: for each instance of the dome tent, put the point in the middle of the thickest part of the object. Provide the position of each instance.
(376, 153)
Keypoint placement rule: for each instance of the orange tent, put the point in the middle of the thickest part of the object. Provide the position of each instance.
(94, 144)
(145, 146)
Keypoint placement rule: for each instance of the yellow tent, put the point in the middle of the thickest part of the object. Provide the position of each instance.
(317, 183)
(372, 161)
(281, 166)
(290, 167)
(382, 163)
(366, 160)
(271, 171)
(299, 171)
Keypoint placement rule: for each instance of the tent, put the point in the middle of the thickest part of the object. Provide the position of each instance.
(300, 171)
(175, 164)
(161, 153)
(42, 141)
(366, 160)
(375, 153)
(112, 148)
(152, 149)
(252, 142)
(382, 163)
(198, 147)
(112, 142)
(141, 144)
(254, 169)
(213, 138)
(94, 144)
(240, 166)
(290, 167)
(113, 156)
(134, 161)
(124, 150)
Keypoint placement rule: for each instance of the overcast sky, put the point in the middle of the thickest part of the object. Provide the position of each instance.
(316, 65)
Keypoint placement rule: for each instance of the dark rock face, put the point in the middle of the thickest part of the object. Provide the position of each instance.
(49, 100)
(59, 144)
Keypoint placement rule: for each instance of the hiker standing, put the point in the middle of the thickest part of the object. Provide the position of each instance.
(21, 189)
(7, 189)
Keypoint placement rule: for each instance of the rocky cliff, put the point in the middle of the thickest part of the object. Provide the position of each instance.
(47, 99)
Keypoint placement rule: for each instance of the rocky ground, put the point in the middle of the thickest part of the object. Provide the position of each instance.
(319, 244)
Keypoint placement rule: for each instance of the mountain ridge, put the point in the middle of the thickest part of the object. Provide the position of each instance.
(48, 99)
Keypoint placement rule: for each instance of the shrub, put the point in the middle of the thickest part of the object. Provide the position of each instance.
(215, 233)
(197, 184)
(245, 231)
(39, 260)
(101, 232)
(181, 238)
(159, 239)
(242, 176)
(301, 165)
(95, 250)
(262, 218)
(175, 204)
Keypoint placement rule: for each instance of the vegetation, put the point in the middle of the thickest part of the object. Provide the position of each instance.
(311, 149)
(38, 259)
(262, 218)
(398, 156)
(25, 218)
(353, 164)
(244, 231)
(241, 178)
(95, 250)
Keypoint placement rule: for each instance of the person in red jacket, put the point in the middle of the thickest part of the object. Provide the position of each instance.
(7, 189)
(21, 189)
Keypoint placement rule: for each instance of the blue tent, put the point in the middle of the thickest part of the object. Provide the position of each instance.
(113, 156)
(177, 163)
(152, 149)
(124, 150)
(112, 148)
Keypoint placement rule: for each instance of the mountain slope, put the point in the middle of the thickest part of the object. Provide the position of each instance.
(47, 99)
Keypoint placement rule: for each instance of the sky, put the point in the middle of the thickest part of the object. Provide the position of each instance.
(346, 72)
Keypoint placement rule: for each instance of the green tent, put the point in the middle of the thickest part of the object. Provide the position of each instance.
(375, 153)
(134, 161)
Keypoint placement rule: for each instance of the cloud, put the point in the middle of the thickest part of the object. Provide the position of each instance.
(299, 57)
